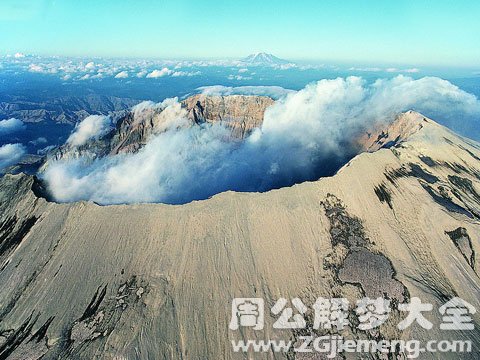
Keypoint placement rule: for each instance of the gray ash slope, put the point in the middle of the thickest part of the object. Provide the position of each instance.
(81, 281)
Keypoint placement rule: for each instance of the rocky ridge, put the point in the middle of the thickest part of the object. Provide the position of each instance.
(62, 109)
(239, 113)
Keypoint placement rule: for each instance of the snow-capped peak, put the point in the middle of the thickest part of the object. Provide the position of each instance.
(262, 58)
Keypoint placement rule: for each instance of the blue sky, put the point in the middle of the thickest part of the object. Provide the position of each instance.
(378, 31)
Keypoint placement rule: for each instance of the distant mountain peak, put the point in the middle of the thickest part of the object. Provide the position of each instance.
(262, 58)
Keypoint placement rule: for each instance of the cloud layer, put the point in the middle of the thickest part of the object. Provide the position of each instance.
(92, 127)
(11, 125)
(122, 75)
(159, 73)
(305, 135)
(10, 154)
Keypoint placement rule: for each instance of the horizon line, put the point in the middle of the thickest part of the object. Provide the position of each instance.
(302, 61)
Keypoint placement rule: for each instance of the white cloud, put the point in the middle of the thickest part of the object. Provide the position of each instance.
(407, 71)
(367, 69)
(92, 127)
(141, 74)
(10, 154)
(85, 77)
(160, 73)
(146, 108)
(35, 68)
(242, 70)
(38, 141)
(122, 75)
(19, 55)
(285, 66)
(11, 125)
(239, 77)
(305, 135)
(186, 73)
(90, 65)
(48, 68)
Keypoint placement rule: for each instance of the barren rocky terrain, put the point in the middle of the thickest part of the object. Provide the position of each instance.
(239, 113)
